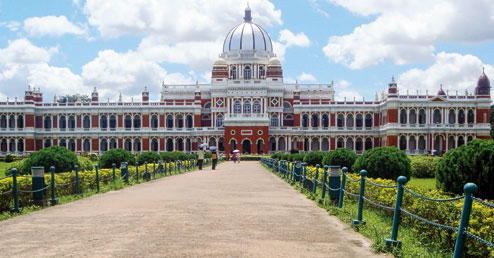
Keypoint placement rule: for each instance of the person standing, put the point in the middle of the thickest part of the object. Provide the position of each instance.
(234, 157)
(214, 158)
(200, 158)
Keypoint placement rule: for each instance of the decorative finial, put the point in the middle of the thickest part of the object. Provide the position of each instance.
(377, 97)
(94, 89)
(483, 70)
(120, 97)
(145, 88)
(248, 17)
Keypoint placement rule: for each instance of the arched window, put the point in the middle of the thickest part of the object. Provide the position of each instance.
(4, 145)
(86, 122)
(137, 121)
(421, 143)
(451, 143)
(340, 143)
(305, 120)
(208, 105)
(62, 143)
(188, 146)
(325, 144)
(3, 121)
(237, 107)
(63, 122)
(113, 144)
(47, 122)
(461, 117)
(412, 143)
(246, 107)
(281, 144)
(180, 144)
(368, 143)
(368, 120)
(86, 145)
(359, 121)
(272, 144)
(422, 116)
(20, 145)
(180, 121)
(452, 116)
(188, 121)
(12, 145)
(169, 144)
(349, 121)
(71, 145)
(461, 141)
(221, 144)
(113, 122)
(325, 121)
(219, 121)
(247, 73)
(315, 144)
(169, 121)
(12, 121)
(306, 144)
(104, 122)
(233, 73)
(349, 143)
(71, 122)
(403, 116)
(286, 104)
(403, 142)
(315, 120)
(470, 116)
(257, 107)
(154, 144)
(340, 120)
(104, 145)
(412, 117)
(154, 121)
(128, 122)
(20, 121)
(47, 143)
(274, 120)
(137, 145)
(261, 72)
(128, 144)
(436, 118)
(359, 145)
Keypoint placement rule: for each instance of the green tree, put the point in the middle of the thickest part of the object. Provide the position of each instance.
(62, 159)
(384, 162)
(116, 156)
(340, 157)
(492, 121)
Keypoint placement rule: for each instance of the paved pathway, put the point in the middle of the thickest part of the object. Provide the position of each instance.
(238, 210)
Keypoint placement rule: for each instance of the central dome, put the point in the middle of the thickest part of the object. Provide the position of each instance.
(247, 36)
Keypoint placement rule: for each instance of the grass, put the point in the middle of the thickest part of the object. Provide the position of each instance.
(427, 183)
(3, 166)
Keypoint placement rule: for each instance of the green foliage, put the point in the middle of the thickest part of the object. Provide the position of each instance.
(207, 155)
(314, 157)
(9, 158)
(116, 156)
(492, 121)
(85, 164)
(340, 157)
(424, 166)
(469, 163)
(19, 165)
(276, 155)
(296, 157)
(293, 151)
(192, 156)
(384, 162)
(175, 155)
(149, 157)
(59, 157)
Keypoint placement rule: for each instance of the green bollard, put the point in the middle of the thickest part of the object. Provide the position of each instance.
(396, 218)
(137, 171)
(304, 168)
(342, 187)
(323, 192)
(470, 189)
(97, 178)
(15, 190)
(315, 179)
(77, 183)
(359, 220)
(154, 170)
(113, 166)
(146, 176)
(53, 200)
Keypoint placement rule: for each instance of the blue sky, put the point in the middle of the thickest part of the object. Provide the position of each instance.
(67, 47)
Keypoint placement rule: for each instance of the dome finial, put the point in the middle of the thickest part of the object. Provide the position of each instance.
(247, 17)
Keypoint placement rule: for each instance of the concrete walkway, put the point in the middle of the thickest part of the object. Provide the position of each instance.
(238, 210)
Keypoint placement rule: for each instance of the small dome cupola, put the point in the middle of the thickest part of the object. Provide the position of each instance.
(247, 36)
(441, 91)
(392, 87)
(483, 85)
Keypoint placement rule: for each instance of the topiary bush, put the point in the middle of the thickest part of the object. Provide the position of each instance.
(85, 164)
(62, 159)
(314, 157)
(384, 162)
(296, 157)
(276, 155)
(149, 157)
(116, 156)
(340, 157)
(471, 163)
(9, 158)
(424, 166)
(19, 165)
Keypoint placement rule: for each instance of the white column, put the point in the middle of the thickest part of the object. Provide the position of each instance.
(320, 144)
(289, 143)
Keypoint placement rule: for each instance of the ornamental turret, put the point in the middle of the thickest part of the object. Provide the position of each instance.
(483, 85)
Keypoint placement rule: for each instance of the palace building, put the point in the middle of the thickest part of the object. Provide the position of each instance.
(248, 107)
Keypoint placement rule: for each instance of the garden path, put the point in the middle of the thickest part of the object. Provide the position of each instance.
(238, 210)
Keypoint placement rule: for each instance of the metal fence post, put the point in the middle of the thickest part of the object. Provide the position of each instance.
(15, 190)
(77, 183)
(154, 169)
(53, 200)
(323, 193)
(304, 168)
(316, 176)
(359, 220)
(342, 187)
(470, 189)
(137, 171)
(396, 218)
(113, 166)
(97, 178)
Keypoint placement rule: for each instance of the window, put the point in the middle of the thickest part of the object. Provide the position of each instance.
(436, 116)
(71, 145)
(233, 73)
(403, 116)
(325, 120)
(188, 121)
(20, 145)
(113, 122)
(20, 121)
(154, 145)
(461, 117)
(4, 145)
(128, 145)
(180, 121)
(12, 145)
(247, 107)
(340, 120)
(349, 121)
(422, 116)
(247, 73)
(219, 121)
(359, 121)
(470, 117)
(315, 120)
(274, 120)
(349, 143)
(368, 143)
(12, 121)
(359, 145)
(86, 145)
(261, 72)
(257, 107)
(412, 117)
(63, 122)
(137, 145)
(4, 121)
(169, 121)
(104, 121)
(368, 120)
(305, 120)
(71, 122)
(113, 144)
(237, 108)
(104, 145)
(86, 122)
(47, 122)
(403, 143)
(452, 116)
(137, 121)
(154, 121)
(128, 122)
(62, 143)
(47, 143)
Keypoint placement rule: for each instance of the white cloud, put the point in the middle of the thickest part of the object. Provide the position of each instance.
(51, 26)
(407, 31)
(289, 39)
(454, 71)
(342, 84)
(11, 25)
(306, 77)
(348, 94)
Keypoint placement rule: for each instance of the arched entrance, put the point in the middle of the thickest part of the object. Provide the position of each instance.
(259, 146)
(246, 147)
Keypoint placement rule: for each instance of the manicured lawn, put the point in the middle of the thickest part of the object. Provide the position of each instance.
(428, 183)
(3, 166)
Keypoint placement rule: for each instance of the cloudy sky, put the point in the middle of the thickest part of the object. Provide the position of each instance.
(67, 47)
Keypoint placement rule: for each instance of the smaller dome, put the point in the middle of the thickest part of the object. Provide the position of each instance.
(441, 91)
(274, 62)
(220, 61)
(483, 81)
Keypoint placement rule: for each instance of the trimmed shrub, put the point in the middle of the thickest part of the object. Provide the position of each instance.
(59, 157)
(384, 162)
(296, 157)
(276, 155)
(175, 155)
(19, 165)
(116, 156)
(292, 151)
(340, 157)
(149, 157)
(84, 164)
(9, 158)
(208, 155)
(192, 156)
(314, 157)
(424, 166)
(471, 163)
